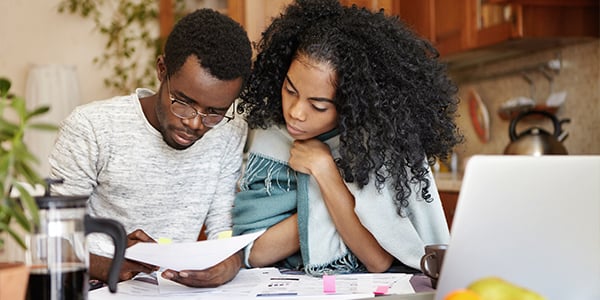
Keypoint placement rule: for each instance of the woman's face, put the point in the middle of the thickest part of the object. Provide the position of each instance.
(307, 98)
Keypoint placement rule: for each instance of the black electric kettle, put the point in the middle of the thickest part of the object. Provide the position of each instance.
(537, 141)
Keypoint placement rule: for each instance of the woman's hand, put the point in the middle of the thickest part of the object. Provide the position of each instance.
(311, 156)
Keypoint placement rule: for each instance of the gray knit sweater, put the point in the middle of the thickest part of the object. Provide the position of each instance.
(108, 150)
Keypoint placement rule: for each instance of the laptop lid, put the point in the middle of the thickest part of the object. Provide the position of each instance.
(534, 221)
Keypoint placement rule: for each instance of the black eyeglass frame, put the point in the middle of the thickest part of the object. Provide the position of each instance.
(203, 116)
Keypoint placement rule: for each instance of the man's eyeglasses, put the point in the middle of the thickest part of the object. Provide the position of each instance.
(184, 110)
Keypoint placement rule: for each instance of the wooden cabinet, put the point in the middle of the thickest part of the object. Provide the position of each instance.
(449, 200)
(461, 25)
(444, 22)
(253, 15)
(456, 26)
(167, 17)
(387, 5)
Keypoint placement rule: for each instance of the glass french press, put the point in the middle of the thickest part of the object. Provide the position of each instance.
(57, 254)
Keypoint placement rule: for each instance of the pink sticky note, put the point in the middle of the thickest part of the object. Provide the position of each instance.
(381, 290)
(328, 284)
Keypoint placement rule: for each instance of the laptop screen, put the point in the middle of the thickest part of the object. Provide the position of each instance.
(533, 221)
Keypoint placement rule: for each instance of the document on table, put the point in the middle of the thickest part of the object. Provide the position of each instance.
(269, 283)
(347, 286)
(261, 283)
(189, 256)
(243, 284)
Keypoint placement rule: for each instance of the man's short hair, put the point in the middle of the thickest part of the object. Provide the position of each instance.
(220, 44)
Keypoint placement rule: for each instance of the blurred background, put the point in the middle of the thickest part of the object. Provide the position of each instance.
(507, 56)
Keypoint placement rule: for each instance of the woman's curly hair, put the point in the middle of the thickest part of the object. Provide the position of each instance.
(396, 106)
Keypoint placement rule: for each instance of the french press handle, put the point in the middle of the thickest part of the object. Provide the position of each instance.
(116, 231)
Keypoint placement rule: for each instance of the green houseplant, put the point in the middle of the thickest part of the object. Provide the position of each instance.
(129, 29)
(16, 162)
(131, 33)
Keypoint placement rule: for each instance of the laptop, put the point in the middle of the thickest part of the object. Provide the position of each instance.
(533, 221)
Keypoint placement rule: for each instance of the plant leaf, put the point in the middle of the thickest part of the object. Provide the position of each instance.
(13, 234)
(18, 104)
(43, 126)
(8, 128)
(27, 172)
(37, 111)
(4, 86)
(29, 203)
(19, 215)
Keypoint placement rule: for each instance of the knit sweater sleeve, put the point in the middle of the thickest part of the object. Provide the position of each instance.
(74, 157)
(219, 217)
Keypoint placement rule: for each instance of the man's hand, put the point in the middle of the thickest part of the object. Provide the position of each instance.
(211, 277)
(100, 265)
(138, 236)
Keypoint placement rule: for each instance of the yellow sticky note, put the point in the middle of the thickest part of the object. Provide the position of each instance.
(164, 240)
(224, 234)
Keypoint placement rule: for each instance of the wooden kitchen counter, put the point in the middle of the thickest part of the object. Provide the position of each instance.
(448, 182)
(448, 185)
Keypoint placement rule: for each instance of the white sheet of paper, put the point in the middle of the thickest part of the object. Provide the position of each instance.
(189, 256)
(351, 285)
(261, 283)
(242, 284)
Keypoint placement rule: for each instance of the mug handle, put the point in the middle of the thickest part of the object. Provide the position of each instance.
(116, 231)
(425, 265)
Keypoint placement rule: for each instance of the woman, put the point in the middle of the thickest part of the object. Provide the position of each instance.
(349, 110)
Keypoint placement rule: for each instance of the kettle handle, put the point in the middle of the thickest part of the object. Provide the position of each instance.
(513, 124)
(116, 231)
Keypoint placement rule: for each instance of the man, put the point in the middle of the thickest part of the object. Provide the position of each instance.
(164, 164)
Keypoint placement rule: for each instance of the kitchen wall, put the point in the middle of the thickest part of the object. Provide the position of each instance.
(34, 33)
(48, 56)
(259, 14)
(579, 76)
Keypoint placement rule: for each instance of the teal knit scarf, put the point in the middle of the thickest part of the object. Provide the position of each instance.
(271, 192)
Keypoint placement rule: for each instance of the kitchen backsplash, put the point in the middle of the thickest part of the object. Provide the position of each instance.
(578, 76)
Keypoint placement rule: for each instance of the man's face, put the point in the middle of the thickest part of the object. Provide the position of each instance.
(194, 86)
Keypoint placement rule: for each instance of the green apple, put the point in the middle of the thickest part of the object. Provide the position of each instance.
(496, 288)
